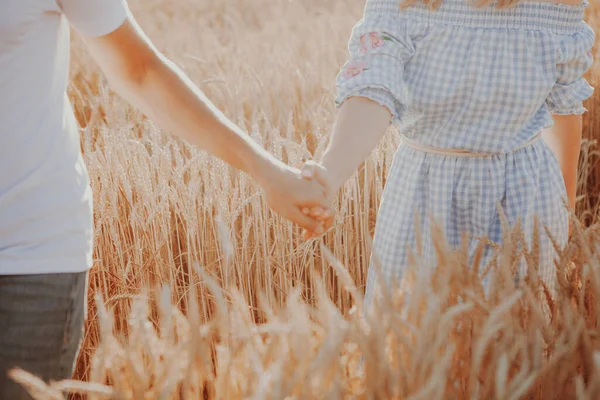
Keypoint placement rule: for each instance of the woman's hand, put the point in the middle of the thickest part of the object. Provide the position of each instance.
(286, 192)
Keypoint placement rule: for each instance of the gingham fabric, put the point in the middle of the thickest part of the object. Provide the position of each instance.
(478, 79)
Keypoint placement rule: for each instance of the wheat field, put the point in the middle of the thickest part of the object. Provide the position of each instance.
(200, 292)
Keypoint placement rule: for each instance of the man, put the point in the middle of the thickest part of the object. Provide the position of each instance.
(46, 223)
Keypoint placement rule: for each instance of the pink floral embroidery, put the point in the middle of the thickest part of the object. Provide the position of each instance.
(363, 44)
(354, 68)
(372, 40)
(376, 40)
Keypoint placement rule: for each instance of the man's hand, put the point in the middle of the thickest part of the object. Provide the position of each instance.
(312, 171)
(287, 194)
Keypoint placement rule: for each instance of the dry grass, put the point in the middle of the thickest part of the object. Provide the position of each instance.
(445, 341)
(258, 314)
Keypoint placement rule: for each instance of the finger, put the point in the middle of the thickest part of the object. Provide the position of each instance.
(320, 218)
(308, 223)
(316, 211)
(308, 170)
(327, 221)
(324, 214)
(305, 210)
(307, 235)
(327, 213)
(327, 224)
(326, 218)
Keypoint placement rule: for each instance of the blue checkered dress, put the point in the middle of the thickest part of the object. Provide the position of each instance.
(479, 79)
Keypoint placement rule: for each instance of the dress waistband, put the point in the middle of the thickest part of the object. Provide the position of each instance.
(451, 152)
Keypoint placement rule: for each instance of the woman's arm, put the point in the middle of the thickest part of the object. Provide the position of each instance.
(359, 126)
(156, 86)
(564, 139)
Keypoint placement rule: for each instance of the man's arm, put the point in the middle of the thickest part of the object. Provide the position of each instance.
(157, 87)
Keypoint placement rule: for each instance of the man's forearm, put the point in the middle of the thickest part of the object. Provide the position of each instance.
(360, 125)
(564, 139)
(166, 95)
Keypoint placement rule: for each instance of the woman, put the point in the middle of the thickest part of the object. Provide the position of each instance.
(45, 197)
(472, 89)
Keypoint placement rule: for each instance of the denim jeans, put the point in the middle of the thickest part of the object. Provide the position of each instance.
(41, 327)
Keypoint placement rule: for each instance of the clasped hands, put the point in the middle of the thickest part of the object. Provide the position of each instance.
(302, 196)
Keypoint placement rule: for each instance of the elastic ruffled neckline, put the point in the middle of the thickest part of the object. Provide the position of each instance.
(543, 16)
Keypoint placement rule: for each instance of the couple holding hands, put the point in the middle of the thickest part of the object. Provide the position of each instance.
(488, 98)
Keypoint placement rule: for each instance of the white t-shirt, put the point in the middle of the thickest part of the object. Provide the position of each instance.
(46, 219)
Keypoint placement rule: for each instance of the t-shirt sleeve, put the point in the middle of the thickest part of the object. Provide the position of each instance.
(94, 17)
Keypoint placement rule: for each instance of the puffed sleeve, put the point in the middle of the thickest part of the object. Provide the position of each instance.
(94, 18)
(574, 59)
(379, 49)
